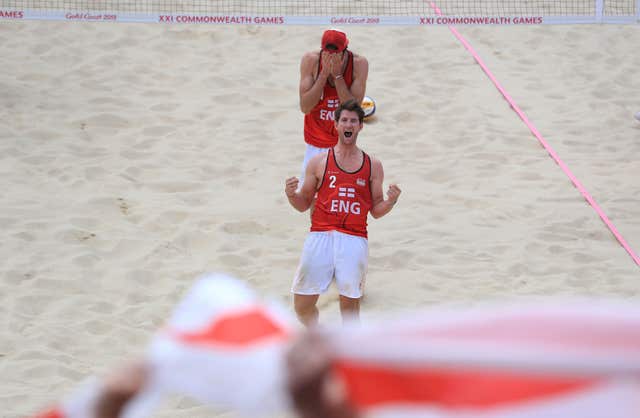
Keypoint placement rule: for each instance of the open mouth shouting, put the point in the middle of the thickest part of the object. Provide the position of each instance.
(348, 134)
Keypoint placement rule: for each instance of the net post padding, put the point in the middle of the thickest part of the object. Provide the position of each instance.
(599, 10)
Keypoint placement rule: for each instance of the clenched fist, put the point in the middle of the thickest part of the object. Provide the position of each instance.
(290, 186)
(393, 193)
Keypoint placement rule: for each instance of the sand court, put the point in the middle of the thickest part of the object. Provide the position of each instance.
(134, 157)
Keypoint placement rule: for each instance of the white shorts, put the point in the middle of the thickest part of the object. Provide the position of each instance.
(309, 152)
(328, 255)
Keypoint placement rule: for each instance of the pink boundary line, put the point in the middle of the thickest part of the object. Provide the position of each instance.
(542, 141)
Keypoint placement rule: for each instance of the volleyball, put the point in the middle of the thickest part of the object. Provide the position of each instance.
(637, 115)
(369, 107)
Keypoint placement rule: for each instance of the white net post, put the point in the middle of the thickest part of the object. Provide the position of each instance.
(599, 10)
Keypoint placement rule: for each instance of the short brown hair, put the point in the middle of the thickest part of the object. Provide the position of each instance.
(351, 105)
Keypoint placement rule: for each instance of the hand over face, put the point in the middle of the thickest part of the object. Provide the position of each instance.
(327, 62)
(333, 63)
(337, 63)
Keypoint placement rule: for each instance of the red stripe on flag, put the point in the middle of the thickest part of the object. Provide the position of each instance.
(235, 329)
(53, 413)
(372, 386)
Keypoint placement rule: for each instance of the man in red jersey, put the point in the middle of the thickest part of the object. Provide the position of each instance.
(348, 184)
(328, 77)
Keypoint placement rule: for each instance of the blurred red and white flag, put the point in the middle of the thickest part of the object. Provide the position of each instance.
(226, 348)
(540, 360)
(222, 347)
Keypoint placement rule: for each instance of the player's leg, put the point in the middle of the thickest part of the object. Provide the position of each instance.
(306, 309)
(313, 276)
(352, 255)
(349, 308)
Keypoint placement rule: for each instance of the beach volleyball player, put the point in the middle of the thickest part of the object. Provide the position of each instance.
(328, 77)
(348, 184)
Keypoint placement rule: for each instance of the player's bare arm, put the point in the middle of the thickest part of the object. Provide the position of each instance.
(311, 87)
(359, 84)
(379, 205)
(302, 199)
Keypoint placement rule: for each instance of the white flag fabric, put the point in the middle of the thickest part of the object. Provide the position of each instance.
(81, 403)
(225, 348)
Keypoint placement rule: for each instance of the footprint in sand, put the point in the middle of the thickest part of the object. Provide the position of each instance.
(244, 227)
(73, 235)
(86, 236)
(234, 261)
(124, 206)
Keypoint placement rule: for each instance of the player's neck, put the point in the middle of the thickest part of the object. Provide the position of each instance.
(346, 150)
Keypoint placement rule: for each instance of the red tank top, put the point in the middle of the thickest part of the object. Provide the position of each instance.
(344, 199)
(319, 129)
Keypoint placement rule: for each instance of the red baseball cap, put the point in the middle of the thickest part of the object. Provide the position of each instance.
(336, 38)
